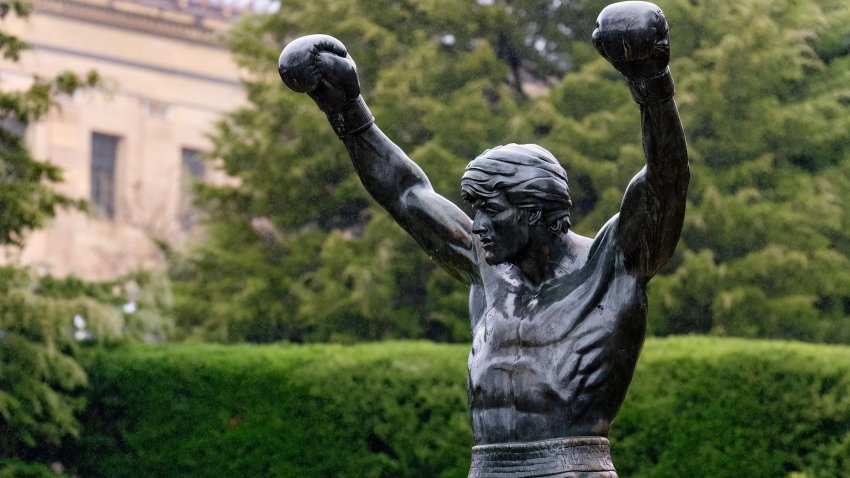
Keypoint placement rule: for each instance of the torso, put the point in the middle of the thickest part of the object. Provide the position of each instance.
(554, 361)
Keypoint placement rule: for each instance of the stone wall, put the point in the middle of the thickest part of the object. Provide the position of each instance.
(167, 81)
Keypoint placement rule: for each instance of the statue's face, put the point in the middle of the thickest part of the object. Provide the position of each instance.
(502, 228)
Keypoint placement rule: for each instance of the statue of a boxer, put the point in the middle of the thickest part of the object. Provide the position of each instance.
(558, 319)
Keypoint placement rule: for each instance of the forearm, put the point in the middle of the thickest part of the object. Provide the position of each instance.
(384, 169)
(663, 136)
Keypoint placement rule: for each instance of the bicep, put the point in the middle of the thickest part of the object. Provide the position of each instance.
(651, 218)
(440, 228)
(403, 189)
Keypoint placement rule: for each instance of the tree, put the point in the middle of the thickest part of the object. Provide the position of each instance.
(764, 251)
(299, 252)
(39, 379)
(26, 197)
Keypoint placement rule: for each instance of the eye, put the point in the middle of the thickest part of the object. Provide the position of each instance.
(492, 209)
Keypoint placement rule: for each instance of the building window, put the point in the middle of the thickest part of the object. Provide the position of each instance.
(104, 153)
(191, 171)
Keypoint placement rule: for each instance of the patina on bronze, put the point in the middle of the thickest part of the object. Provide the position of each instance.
(558, 319)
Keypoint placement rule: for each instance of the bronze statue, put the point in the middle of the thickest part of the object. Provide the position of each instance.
(558, 319)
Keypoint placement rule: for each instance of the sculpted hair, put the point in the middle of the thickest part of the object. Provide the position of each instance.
(530, 177)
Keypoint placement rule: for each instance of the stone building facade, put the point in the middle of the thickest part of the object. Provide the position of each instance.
(132, 149)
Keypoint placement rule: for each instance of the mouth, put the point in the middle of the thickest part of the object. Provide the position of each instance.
(486, 242)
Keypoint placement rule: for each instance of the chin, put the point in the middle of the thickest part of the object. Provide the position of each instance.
(493, 259)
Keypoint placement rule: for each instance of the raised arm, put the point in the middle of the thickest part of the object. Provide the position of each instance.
(320, 66)
(633, 37)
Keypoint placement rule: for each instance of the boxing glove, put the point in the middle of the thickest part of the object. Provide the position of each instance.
(633, 36)
(320, 66)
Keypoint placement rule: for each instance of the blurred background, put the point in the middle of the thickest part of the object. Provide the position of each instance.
(166, 206)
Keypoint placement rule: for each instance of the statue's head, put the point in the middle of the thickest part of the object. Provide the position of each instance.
(517, 191)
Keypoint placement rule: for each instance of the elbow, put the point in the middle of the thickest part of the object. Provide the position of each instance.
(407, 201)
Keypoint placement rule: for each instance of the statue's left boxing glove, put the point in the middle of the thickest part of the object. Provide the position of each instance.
(320, 66)
(633, 36)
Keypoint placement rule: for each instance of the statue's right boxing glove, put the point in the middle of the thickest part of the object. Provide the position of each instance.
(320, 66)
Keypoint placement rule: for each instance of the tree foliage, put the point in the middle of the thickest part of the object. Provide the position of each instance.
(26, 196)
(45, 324)
(765, 249)
(299, 252)
(40, 381)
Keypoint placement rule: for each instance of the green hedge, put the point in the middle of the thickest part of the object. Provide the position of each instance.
(697, 407)
(387, 409)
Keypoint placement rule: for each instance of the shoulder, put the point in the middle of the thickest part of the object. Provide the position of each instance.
(581, 247)
(603, 251)
(607, 237)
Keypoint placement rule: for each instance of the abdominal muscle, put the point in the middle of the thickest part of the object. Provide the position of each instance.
(523, 389)
(510, 401)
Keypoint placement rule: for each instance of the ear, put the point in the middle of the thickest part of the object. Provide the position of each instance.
(534, 217)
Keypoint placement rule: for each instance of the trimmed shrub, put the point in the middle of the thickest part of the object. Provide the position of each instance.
(734, 407)
(697, 407)
(384, 409)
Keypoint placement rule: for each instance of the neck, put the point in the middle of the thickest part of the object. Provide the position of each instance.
(546, 256)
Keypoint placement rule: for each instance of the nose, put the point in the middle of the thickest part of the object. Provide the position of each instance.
(479, 223)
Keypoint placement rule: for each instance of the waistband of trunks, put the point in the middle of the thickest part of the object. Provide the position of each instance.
(542, 458)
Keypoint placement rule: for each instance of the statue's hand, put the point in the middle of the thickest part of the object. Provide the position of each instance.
(320, 66)
(633, 37)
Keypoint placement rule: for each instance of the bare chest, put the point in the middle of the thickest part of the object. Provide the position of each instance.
(534, 350)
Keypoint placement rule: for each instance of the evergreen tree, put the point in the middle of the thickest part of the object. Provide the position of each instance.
(39, 379)
(299, 252)
(763, 251)
(26, 196)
